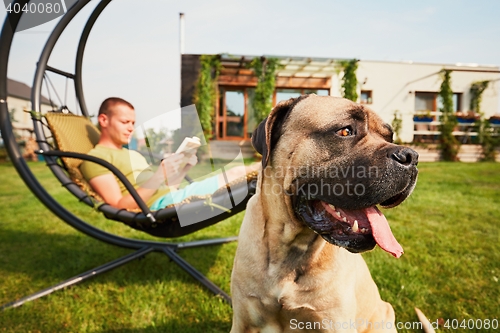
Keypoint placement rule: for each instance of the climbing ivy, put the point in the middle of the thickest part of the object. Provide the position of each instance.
(349, 80)
(476, 90)
(206, 91)
(265, 71)
(448, 142)
(488, 138)
(397, 126)
(488, 141)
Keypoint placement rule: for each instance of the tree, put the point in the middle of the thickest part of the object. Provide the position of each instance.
(206, 92)
(488, 141)
(448, 142)
(349, 80)
(397, 126)
(265, 70)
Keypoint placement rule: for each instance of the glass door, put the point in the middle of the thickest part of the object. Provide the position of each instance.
(232, 114)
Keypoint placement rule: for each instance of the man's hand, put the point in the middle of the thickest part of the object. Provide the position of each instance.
(193, 160)
(170, 166)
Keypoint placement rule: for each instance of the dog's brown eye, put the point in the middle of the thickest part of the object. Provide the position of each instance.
(346, 131)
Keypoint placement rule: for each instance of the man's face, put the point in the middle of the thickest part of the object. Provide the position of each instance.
(120, 124)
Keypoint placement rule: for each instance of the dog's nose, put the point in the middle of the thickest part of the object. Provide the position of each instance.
(405, 156)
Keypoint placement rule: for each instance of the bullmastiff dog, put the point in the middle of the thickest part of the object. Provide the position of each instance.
(327, 163)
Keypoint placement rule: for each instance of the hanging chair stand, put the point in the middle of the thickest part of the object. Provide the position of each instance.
(53, 160)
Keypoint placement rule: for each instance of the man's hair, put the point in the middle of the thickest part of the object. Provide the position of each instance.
(108, 104)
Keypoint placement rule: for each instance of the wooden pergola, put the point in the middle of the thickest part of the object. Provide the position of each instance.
(296, 72)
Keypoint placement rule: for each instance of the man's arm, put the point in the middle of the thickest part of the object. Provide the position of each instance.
(107, 186)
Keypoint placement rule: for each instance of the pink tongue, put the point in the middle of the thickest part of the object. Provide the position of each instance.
(382, 232)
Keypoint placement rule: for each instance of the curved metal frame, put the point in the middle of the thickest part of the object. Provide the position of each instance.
(80, 52)
(141, 247)
(42, 64)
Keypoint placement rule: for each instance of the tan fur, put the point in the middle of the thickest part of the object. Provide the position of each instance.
(284, 273)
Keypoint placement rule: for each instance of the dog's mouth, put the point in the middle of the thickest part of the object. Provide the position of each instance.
(357, 230)
(397, 199)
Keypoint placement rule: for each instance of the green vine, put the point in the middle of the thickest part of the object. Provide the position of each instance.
(349, 80)
(265, 70)
(206, 92)
(397, 126)
(449, 143)
(488, 141)
(476, 91)
(488, 138)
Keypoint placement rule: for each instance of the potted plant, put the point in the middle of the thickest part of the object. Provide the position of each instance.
(467, 117)
(423, 116)
(495, 119)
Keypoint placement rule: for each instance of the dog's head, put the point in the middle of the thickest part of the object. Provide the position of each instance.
(336, 162)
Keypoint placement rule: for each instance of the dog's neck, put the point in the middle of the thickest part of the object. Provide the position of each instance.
(294, 245)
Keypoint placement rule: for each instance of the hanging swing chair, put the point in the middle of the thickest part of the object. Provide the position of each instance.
(64, 138)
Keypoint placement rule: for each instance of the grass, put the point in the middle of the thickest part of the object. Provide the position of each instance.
(449, 229)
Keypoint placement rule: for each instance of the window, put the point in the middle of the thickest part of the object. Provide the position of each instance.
(284, 94)
(319, 92)
(251, 121)
(430, 101)
(366, 97)
(425, 101)
(457, 102)
(235, 118)
(235, 111)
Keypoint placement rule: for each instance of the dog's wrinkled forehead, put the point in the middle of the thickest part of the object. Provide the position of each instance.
(305, 112)
(320, 112)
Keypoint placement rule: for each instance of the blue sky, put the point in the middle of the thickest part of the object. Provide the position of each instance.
(133, 51)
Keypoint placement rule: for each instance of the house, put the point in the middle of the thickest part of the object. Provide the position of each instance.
(386, 87)
(412, 88)
(19, 101)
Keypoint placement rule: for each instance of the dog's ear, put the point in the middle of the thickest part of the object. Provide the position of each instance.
(266, 135)
(259, 141)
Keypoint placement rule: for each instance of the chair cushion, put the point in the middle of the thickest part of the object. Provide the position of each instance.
(76, 134)
(72, 133)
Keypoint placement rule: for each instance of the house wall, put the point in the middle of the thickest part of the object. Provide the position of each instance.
(17, 106)
(22, 119)
(393, 87)
(190, 69)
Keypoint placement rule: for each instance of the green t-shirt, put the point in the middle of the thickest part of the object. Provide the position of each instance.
(131, 163)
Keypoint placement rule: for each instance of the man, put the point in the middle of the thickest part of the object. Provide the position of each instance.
(116, 120)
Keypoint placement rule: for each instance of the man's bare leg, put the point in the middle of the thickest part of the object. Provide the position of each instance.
(237, 172)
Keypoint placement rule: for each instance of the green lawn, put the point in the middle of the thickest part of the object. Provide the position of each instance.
(449, 228)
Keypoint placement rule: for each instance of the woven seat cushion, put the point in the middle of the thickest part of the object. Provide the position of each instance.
(74, 134)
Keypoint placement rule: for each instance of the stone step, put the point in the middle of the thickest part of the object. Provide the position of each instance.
(466, 148)
(468, 153)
